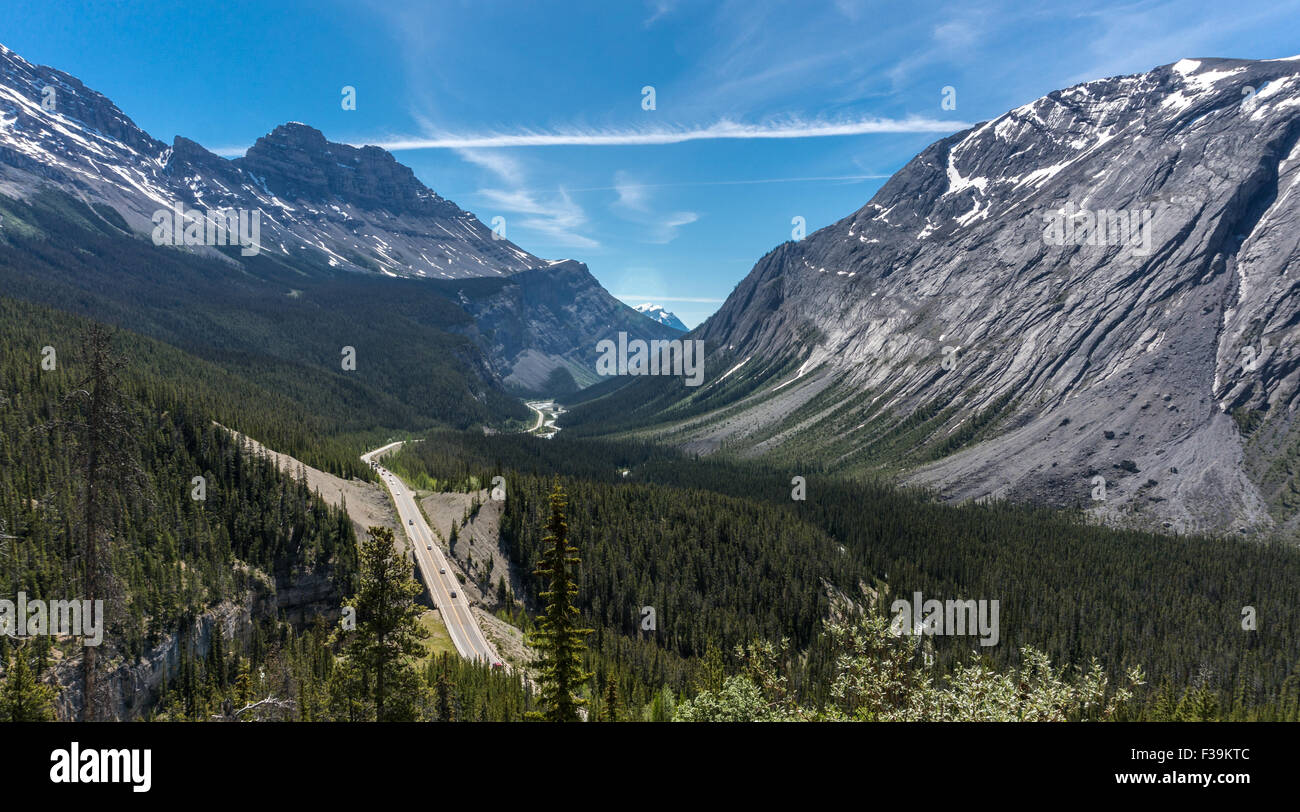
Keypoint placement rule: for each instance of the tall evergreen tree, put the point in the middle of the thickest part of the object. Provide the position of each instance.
(23, 697)
(611, 699)
(388, 633)
(443, 689)
(558, 638)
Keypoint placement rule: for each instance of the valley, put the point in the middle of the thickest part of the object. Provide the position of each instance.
(366, 460)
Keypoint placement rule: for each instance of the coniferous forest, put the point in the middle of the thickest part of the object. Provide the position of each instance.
(759, 599)
(719, 550)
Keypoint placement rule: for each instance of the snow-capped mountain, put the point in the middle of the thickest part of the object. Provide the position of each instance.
(659, 314)
(320, 203)
(324, 208)
(1086, 301)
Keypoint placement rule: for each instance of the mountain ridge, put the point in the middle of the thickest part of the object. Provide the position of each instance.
(351, 208)
(938, 333)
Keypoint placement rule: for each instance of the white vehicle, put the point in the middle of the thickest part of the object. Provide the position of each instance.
(429, 547)
(441, 570)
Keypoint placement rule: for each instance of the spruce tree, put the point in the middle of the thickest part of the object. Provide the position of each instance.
(24, 698)
(388, 632)
(443, 689)
(558, 638)
(611, 699)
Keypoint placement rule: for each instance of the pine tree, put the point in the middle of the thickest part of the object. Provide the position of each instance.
(388, 631)
(23, 698)
(611, 699)
(558, 638)
(713, 673)
(443, 689)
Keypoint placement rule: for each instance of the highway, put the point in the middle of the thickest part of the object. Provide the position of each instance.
(439, 577)
(540, 416)
(542, 407)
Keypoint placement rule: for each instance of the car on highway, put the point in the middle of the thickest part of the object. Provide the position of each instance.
(441, 570)
(410, 521)
(429, 547)
(453, 594)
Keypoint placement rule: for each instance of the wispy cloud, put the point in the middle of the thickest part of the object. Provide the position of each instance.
(1139, 36)
(553, 214)
(557, 217)
(647, 297)
(498, 163)
(792, 128)
(660, 9)
(633, 205)
(747, 182)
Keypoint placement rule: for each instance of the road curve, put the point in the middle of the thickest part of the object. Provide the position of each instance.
(540, 416)
(439, 577)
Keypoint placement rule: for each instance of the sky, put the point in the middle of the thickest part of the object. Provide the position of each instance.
(541, 113)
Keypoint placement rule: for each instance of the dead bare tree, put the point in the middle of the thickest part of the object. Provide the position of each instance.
(256, 710)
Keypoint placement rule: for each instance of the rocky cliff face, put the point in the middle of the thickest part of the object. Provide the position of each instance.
(351, 208)
(131, 687)
(541, 326)
(1086, 301)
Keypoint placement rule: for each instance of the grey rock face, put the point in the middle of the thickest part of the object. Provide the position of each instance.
(323, 205)
(548, 320)
(1033, 353)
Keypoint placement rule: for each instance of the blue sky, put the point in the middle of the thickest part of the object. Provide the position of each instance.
(533, 111)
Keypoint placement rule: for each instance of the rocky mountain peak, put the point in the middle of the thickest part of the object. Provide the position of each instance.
(323, 204)
(298, 163)
(39, 98)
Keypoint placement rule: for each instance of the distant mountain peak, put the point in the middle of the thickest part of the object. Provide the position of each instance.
(661, 315)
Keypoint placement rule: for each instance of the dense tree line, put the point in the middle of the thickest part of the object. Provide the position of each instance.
(725, 555)
(184, 519)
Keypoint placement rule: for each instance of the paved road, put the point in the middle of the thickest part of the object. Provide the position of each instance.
(439, 577)
(540, 416)
(542, 407)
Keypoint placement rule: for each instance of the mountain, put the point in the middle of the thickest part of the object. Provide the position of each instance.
(659, 314)
(320, 202)
(338, 228)
(541, 326)
(973, 329)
